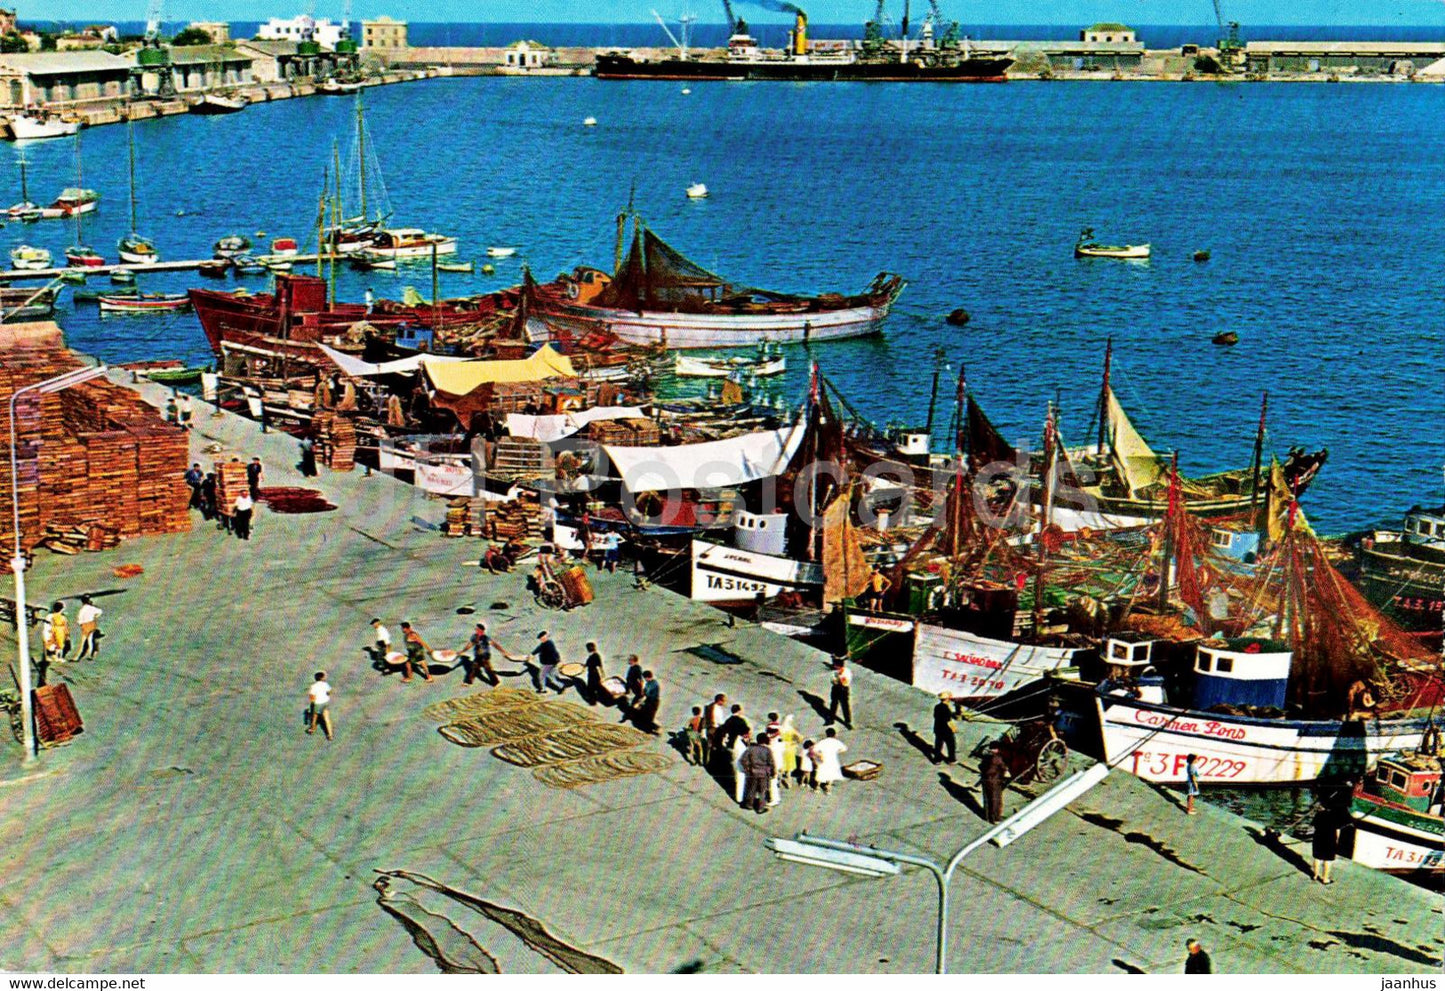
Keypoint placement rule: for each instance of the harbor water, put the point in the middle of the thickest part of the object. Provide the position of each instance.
(1315, 201)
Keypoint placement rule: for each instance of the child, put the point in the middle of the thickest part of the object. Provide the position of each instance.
(693, 735)
(808, 766)
(1191, 778)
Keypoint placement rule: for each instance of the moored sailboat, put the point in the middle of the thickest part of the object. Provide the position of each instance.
(133, 248)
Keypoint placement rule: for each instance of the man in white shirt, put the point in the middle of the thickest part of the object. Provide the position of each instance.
(383, 639)
(841, 694)
(241, 522)
(89, 619)
(320, 712)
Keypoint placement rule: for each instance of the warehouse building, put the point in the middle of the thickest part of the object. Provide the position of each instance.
(62, 77)
(202, 67)
(1364, 58)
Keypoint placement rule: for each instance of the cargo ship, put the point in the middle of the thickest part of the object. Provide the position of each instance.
(806, 60)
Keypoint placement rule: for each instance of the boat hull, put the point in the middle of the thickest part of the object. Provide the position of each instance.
(1395, 844)
(720, 368)
(975, 668)
(410, 252)
(972, 70)
(1410, 590)
(29, 129)
(683, 331)
(1127, 252)
(723, 574)
(1151, 741)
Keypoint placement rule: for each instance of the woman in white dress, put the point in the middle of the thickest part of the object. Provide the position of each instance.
(829, 749)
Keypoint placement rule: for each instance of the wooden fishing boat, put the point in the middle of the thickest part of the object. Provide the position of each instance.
(1087, 247)
(231, 245)
(1403, 571)
(732, 575)
(27, 257)
(658, 296)
(1396, 822)
(463, 267)
(763, 367)
(20, 304)
(407, 243)
(144, 303)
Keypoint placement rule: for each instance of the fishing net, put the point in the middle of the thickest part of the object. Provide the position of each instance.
(509, 724)
(586, 740)
(594, 770)
(478, 704)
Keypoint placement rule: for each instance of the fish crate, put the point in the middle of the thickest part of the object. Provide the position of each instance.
(521, 458)
(230, 482)
(519, 519)
(625, 433)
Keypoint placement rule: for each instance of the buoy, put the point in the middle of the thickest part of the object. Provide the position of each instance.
(1201, 256)
(958, 317)
(488, 269)
(590, 122)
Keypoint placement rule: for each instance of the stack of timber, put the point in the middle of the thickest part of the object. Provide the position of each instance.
(519, 519)
(626, 433)
(93, 455)
(335, 440)
(230, 482)
(466, 518)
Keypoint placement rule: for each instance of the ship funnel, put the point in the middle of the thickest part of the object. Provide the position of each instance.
(800, 35)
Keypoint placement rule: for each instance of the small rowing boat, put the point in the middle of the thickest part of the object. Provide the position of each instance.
(370, 260)
(175, 376)
(144, 303)
(500, 252)
(762, 367)
(29, 258)
(455, 266)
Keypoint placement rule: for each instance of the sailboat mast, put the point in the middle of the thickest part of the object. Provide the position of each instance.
(1171, 520)
(1046, 512)
(360, 156)
(24, 186)
(321, 224)
(1258, 452)
(933, 395)
(960, 414)
(1104, 395)
(130, 134)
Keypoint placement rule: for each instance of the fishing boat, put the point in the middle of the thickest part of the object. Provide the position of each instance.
(175, 376)
(93, 295)
(736, 576)
(285, 247)
(24, 210)
(73, 201)
(144, 303)
(697, 191)
(122, 277)
(133, 248)
(368, 260)
(1403, 571)
(339, 87)
(231, 245)
(460, 267)
(409, 243)
(658, 296)
(79, 202)
(213, 104)
(247, 265)
(37, 125)
(763, 366)
(1087, 247)
(1396, 822)
(20, 304)
(27, 257)
(500, 252)
(368, 209)
(214, 268)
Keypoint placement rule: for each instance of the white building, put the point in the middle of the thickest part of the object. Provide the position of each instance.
(325, 31)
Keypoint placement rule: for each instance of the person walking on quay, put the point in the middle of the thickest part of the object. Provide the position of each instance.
(88, 616)
(756, 764)
(547, 660)
(185, 409)
(993, 775)
(595, 674)
(208, 497)
(713, 717)
(944, 740)
(416, 651)
(1197, 962)
(55, 634)
(633, 679)
(693, 735)
(792, 741)
(383, 639)
(732, 740)
(320, 712)
(242, 522)
(1191, 783)
(194, 478)
(308, 457)
(254, 471)
(840, 695)
(1325, 844)
(173, 414)
(480, 646)
(829, 750)
(644, 716)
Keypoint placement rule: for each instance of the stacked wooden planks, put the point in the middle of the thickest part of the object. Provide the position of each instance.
(520, 518)
(231, 481)
(335, 440)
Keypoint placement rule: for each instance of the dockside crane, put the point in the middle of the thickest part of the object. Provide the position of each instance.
(152, 57)
(732, 18)
(873, 30)
(1228, 43)
(950, 33)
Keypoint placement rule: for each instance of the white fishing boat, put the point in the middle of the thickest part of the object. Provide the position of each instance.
(689, 367)
(35, 126)
(1150, 738)
(27, 257)
(369, 260)
(975, 668)
(1087, 247)
(722, 574)
(499, 252)
(405, 243)
(661, 297)
(697, 191)
(1397, 820)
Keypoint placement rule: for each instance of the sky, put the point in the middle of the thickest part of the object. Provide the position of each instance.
(1080, 12)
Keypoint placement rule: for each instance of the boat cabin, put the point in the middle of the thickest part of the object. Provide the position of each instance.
(1425, 528)
(1237, 542)
(761, 533)
(586, 283)
(911, 443)
(1129, 657)
(401, 237)
(1241, 671)
(743, 46)
(1411, 780)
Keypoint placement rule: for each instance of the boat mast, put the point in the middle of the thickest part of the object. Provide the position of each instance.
(933, 396)
(336, 217)
(1045, 518)
(903, 34)
(24, 187)
(1171, 519)
(435, 283)
(360, 156)
(79, 184)
(1258, 453)
(961, 440)
(321, 224)
(130, 134)
(1104, 395)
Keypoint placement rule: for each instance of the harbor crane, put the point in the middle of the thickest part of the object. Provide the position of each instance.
(684, 29)
(732, 18)
(152, 58)
(1228, 43)
(936, 21)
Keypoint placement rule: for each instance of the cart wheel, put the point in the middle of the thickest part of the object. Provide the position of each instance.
(1053, 758)
(551, 596)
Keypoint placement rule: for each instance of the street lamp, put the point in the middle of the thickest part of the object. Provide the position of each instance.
(870, 861)
(17, 563)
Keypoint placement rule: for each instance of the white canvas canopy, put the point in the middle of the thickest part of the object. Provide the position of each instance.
(554, 427)
(1141, 467)
(711, 465)
(357, 368)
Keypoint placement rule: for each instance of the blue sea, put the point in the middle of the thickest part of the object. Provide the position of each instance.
(1319, 203)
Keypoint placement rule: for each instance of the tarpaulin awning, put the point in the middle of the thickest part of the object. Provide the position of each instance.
(554, 427)
(711, 465)
(462, 377)
(357, 368)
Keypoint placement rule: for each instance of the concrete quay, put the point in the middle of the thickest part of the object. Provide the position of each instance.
(193, 826)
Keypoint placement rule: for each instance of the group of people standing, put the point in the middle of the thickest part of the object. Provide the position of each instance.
(235, 518)
(55, 632)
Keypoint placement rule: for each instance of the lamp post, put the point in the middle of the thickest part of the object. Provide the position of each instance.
(869, 861)
(17, 563)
